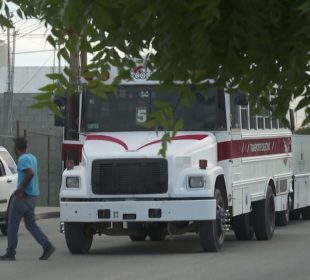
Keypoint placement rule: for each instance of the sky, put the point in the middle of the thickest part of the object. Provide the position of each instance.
(31, 46)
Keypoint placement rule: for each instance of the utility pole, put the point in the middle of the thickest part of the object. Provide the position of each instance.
(83, 58)
(9, 60)
(8, 95)
(72, 100)
(13, 60)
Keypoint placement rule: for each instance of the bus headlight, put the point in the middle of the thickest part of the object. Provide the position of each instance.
(196, 182)
(73, 182)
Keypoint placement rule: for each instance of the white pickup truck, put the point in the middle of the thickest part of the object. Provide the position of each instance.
(8, 184)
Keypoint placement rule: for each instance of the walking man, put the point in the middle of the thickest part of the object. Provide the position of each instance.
(23, 203)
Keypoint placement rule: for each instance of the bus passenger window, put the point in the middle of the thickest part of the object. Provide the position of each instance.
(234, 113)
(244, 117)
(266, 118)
(253, 122)
(260, 122)
(274, 123)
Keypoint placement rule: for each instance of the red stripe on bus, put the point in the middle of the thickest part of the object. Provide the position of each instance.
(107, 138)
(253, 147)
(181, 137)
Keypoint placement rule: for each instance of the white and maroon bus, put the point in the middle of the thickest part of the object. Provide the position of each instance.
(224, 169)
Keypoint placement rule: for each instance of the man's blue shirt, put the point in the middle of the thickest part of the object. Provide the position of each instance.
(24, 162)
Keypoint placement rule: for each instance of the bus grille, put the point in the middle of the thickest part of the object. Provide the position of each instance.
(129, 176)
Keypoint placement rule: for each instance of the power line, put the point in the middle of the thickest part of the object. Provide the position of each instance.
(37, 51)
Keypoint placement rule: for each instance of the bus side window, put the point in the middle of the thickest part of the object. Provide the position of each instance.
(274, 122)
(221, 112)
(253, 122)
(267, 120)
(260, 122)
(244, 116)
(234, 112)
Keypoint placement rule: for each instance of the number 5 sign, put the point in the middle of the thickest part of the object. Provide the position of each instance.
(141, 115)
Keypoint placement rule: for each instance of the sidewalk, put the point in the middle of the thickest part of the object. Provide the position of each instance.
(43, 212)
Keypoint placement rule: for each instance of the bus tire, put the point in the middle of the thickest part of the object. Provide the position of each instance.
(157, 231)
(295, 214)
(243, 227)
(283, 217)
(211, 233)
(136, 237)
(158, 235)
(78, 238)
(305, 213)
(264, 216)
(138, 234)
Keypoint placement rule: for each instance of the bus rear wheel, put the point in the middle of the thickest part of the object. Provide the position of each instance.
(243, 227)
(295, 214)
(283, 217)
(305, 213)
(78, 238)
(264, 216)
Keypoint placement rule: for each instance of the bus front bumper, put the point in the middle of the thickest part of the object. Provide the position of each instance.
(137, 210)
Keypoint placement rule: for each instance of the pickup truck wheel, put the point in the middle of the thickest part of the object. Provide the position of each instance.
(211, 233)
(243, 227)
(78, 238)
(4, 229)
(264, 216)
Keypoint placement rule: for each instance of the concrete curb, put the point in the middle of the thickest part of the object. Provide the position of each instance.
(50, 215)
(46, 213)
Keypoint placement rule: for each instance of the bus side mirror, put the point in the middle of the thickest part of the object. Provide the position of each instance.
(60, 101)
(292, 119)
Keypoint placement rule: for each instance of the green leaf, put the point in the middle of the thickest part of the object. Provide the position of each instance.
(4, 22)
(69, 73)
(51, 40)
(44, 96)
(49, 87)
(20, 13)
(39, 105)
(64, 54)
(54, 76)
(303, 103)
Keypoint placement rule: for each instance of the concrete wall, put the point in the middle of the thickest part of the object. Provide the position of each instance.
(44, 139)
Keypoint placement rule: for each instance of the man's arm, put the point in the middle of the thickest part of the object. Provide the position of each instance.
(20, 192)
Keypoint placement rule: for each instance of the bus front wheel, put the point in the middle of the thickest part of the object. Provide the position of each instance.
(212, 233)
(78, 238)
(264, 216)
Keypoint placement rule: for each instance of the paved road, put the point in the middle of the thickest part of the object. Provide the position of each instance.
(286, 256)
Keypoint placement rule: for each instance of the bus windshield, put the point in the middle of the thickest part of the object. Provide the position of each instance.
(129, 109)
